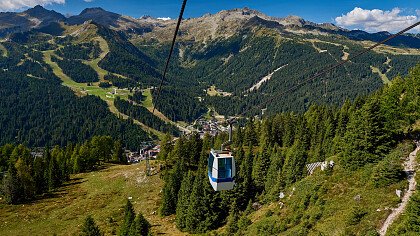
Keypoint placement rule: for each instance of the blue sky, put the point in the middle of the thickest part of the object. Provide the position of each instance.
(314, 10)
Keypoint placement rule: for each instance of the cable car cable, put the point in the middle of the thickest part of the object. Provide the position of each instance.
(184, 3)
(329, 69)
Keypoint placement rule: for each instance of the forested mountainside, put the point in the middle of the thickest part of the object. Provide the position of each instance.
(82, 89)
(246, 57)
(366, 139)
(37, 110)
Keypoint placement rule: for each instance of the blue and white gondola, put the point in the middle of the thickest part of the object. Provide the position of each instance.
(221, 170)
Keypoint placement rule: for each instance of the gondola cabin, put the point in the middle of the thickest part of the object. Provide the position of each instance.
(221, 170)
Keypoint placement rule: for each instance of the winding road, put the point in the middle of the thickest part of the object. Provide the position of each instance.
(410, 169)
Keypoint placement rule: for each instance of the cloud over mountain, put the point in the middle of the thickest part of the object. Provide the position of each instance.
(377, 20)
(9, 5)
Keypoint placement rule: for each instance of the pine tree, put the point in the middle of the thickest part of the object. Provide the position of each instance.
(170, 191)
(250, 133)
(277, 160)
(128, 219)
(53, 174)
(12, 187)
(24, 175)
(140, 226)
(165, 147)
(77, 165)
(245, 189)
(232, 221)
(293, 168)
(194, 145)
(260, 166)
(89, 228)
(184, 200)
(118, 153)
(366, 138)
(39, 178)
(196, 221)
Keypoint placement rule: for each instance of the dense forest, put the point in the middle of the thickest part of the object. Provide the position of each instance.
(77, 71)
(366, 136)
(39, 112)
(121, 82)
(82, 51)
(231, 64)
(179, 105)
(145, 116)
(27, 176)
(125, 59)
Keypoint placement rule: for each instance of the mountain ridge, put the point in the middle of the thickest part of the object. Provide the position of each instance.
(221, 24)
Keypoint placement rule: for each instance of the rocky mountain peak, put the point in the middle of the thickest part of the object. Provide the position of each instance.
(42, 13)
(94, 10)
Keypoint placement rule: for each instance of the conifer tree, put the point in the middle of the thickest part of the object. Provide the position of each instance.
(129, 216)
(245, 189)
(89, 228)
(27, 182)
(39, 177)
(140, 226)
(194, 146)
(289, 130)
(170, 191)
(260, 166)
(293, 168)
(165, 147)
(277, 160)
(366, 138)
(12, 187)
(198, 211)
(232, 221)
(118, 153)
(53, 174)
(250, 135)
(204, 155)
(77, 165)
(184, 200)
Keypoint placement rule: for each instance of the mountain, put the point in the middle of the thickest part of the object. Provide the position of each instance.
(244, 55)
(36, 17)
(210, 26)
(229, 22)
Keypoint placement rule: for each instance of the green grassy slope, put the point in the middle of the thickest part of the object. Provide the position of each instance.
(101, 194)
(339, 204)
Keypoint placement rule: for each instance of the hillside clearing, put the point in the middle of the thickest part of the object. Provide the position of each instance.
(101, 194)
(383, 77)
(95, 63)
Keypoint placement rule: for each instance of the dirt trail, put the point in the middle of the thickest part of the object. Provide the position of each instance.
(410, 170)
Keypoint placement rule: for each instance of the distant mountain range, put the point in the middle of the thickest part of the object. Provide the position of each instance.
(210, 26)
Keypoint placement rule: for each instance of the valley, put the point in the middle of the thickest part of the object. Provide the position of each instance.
(83, 133)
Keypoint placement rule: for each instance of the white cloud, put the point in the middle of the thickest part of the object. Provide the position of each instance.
(164, 18)
(88, 0)
(378, 20)
(11, 5)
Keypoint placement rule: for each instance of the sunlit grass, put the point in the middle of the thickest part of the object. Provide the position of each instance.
(101, 194)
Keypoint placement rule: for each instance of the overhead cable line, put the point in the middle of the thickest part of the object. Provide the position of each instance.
(170, 53)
